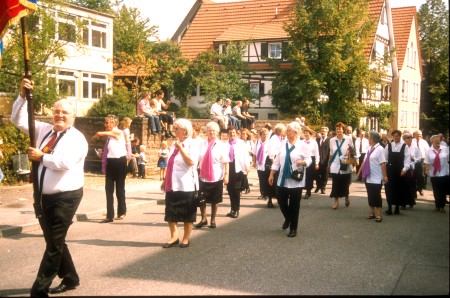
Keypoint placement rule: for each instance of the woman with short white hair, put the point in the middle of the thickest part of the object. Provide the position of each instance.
(436, 166)
(214, 159)
(294, 156)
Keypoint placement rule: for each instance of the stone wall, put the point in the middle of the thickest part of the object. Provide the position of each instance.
(139, 126)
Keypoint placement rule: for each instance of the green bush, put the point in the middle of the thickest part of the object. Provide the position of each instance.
(121, 103)
(13, 141)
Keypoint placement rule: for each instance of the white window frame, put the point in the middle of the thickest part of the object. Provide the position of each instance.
(64, 75)
(88, 77)
(69, 21)
(276, 51)
(91, 26)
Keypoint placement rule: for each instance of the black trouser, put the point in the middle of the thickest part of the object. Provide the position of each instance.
(116, 171)
(410, 183)
(322, 176)
(263, 177)
(289, 201)
(440, 190)
(234, 187)
(419, 176)
(310, 175)
(245, 122)
(166, 119)
(273, 189)
(58, 212)
(244, 183)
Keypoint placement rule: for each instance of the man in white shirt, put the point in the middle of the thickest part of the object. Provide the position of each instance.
(216, 114)
(361, 145)
(60, 187)
(422, 145)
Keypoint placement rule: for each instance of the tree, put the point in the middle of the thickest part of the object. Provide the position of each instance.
(132, 31)
(433, 31)
(327, 55)
(120, 103)
(98, 5)
(44, 44)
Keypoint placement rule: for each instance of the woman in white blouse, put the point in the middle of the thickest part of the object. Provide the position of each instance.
(214, 159)
(340, 145)
(436, 166)
(294, 155)
(373, 172)
(180, 183)
(260, 156)
(246, 136)
(313, 148)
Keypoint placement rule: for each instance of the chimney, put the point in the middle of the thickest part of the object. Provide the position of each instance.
(276, 12)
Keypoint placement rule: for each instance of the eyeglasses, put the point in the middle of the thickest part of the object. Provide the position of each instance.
(61, 112)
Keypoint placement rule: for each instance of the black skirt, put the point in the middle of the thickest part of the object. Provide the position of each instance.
(340, 185)
(213, 190)
(180, 207)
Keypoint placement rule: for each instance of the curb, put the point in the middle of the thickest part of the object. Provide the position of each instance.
(33, 226)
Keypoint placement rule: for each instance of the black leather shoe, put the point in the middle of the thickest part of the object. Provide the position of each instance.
(270, 205)
(316, 190)
(169, 245)
(292, 233)
(63, 288)
(106, 220)
(231, 213)
(235, 214)
(322, 191)
(201, 224)
(285, 225)
(182, 245)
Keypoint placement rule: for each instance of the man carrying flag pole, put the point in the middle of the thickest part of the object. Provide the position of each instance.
(57, 167)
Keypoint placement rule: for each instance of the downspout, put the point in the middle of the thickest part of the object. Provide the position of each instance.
(395, 89)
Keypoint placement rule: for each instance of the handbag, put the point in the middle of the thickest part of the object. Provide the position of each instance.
(199, 198)
(297, 175)
(268, 163)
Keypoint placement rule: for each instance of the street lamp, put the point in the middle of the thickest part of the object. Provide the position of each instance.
(322, 99)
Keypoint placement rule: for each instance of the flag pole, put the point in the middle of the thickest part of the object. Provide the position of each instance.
(30, 108)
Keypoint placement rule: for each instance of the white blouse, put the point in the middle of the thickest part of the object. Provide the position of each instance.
(220, 155)
(261, 167)
(184, 176)
(376, 159)
(335, 165)
(430, 155)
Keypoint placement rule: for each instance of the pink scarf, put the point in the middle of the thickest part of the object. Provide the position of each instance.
(206, 170)
(260, 154)
(436, 163)
(232, 150)
(169, 170)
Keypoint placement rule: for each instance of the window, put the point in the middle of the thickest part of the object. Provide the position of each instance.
(94, 86)
(66, 83)
(94, 34)
(405, 90)
(254, 88)
(275, 50)
(403, 118)
(415, 119)
(66, 28)
(272, 116)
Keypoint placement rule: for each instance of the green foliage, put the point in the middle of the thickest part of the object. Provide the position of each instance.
(98, 5)
(14, 141)
(132, 31)
(434, 46)
(383, 112)
(121, 103)
(43, 47)
(327, 55)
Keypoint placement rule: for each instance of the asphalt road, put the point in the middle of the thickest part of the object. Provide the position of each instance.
(336, 252)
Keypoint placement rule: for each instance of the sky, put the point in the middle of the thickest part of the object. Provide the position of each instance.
(168, 14)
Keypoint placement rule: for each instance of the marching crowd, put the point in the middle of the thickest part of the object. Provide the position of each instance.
(288, 159)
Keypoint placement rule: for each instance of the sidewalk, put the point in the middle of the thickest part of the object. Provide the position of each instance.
(17, 213)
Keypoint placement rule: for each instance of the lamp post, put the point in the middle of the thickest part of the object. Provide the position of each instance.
(322, 99)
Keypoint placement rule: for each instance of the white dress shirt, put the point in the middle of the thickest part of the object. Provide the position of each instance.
(117, 147)
(184, 176)
(313, 148)
(65, 166)
(220, 155)
(365, 146)
(274, 146)
(300, 152)
(443, 156)
(261, 167)
(241, 156)
(397, 147)
(422, 145)
(335, 165)
(377, 158)
(216, 110)
(414, 153)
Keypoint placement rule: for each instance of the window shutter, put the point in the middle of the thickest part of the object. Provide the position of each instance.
(264, 50)
(261, 89)
(284, 47)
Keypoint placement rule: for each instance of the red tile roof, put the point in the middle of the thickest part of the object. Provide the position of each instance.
(375, 7)
(247, 19)
(402, 19)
